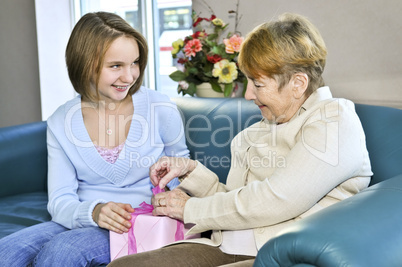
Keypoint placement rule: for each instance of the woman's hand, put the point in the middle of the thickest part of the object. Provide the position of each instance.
(170, 203)
(113, 216)
(168, 168)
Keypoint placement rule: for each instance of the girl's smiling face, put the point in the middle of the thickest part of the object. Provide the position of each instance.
(120, 69)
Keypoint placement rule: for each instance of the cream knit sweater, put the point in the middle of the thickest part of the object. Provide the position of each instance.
(283, 173)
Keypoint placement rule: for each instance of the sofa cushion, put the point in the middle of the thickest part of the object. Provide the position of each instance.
(383, 129)
(211, 124)
(20, 211)
(23, 159)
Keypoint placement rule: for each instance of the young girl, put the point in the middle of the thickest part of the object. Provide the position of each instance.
(100, 147)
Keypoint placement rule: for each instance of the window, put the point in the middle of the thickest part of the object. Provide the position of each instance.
(160, 21)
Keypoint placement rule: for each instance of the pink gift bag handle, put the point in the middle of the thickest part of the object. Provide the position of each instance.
(144, 208)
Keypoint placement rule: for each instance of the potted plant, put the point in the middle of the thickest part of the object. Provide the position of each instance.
(208, 58)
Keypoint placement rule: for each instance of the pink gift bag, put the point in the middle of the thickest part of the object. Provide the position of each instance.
(147, 233)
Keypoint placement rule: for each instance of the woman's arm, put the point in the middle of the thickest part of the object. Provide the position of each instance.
(292, 190)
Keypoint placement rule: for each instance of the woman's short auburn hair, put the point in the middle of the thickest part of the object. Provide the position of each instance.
(279, 49)
(90, 39)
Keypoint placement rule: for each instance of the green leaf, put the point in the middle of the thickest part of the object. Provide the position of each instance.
(193, 79)
(212, 36)
(217, 50)
(177, 76)
(192, 70)
(191, 89)
(216, 87)
(228, 89)
(209, 44)
(230, 57)
(208, 69)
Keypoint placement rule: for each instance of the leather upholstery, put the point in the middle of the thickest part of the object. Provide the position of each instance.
(210, 125)
(383, 129)
(364, 230)
(23, 159)
(23, 174)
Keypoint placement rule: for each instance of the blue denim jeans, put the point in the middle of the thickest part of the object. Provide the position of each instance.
(50, 244)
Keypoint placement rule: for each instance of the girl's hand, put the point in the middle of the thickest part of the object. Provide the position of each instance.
(170, 203)
(113, 216)
(168, 168)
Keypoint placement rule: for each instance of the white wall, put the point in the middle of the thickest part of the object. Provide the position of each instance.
(363, 38)
(54, 24)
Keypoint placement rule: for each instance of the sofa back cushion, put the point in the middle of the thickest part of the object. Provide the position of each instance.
(210, 125)
(23, 159)
(383, 129)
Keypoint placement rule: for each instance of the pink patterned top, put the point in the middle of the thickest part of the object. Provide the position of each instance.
(109, 154)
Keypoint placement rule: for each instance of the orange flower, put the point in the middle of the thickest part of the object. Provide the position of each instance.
(233, 44)
(192, 47)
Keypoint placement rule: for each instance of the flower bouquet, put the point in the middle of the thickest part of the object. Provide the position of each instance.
(205, 58)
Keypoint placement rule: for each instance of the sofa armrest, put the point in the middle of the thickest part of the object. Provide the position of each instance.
(23, 159)
(364, 230)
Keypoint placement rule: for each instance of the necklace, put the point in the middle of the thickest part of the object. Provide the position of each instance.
(109, 131)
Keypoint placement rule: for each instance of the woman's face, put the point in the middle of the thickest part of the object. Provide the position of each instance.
(276, 106)
(120, 69)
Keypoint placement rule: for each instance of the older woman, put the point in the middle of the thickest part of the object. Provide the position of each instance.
(319, 140)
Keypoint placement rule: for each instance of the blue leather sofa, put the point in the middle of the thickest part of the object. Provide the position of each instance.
(364, 230)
